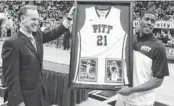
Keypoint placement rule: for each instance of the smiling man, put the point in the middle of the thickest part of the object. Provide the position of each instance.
(22, 56)
(149, 66)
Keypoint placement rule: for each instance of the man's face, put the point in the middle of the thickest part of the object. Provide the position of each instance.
(147, 23)
(31, 20)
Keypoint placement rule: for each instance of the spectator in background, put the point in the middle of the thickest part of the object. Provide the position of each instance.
(66, 40)
(46, 27)
(164, 36)
(3, 31)
(1, 22)
(171, 41)
(2, 25)
(9, 25)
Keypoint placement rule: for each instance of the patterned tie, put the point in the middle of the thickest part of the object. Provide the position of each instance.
(33, 42)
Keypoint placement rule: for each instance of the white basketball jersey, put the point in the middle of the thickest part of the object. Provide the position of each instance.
(101, 38)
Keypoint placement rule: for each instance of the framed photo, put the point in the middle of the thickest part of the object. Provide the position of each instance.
(88, 70)
(114, 71)
(101, 53)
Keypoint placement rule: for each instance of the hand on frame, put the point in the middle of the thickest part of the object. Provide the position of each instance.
(125, 91)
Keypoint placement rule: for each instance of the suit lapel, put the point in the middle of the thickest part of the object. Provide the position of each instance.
(28, 43)
(38, 46)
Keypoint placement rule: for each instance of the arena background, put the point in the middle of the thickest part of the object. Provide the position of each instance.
(53, 12)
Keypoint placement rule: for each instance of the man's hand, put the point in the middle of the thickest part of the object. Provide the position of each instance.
(125, 91)
(22, 104)
(68, 21)
(71, 12)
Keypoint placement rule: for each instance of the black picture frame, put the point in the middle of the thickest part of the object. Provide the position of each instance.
(74, 50)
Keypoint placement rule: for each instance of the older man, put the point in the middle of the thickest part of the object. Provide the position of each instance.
(22, 56)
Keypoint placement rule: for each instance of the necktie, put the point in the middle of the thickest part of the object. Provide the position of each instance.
(33, 42)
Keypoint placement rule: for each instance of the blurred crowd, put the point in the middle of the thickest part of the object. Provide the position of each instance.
(164, 11)
(165, 35)
(51, 12)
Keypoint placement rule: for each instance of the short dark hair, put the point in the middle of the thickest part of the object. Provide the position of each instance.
(24, 9)
(148, 12)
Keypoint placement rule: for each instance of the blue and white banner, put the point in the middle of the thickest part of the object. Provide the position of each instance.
(159, 24)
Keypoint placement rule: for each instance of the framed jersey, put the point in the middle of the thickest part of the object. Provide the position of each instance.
(101, 53)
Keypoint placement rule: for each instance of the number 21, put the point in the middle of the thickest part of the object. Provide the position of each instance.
(101, 40)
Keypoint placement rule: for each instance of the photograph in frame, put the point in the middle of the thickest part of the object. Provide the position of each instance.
(88, 70)
(114, 71)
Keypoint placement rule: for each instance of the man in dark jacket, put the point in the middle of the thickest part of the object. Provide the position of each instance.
(22, 56)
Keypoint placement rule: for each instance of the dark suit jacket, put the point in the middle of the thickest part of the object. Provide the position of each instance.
(22, 67)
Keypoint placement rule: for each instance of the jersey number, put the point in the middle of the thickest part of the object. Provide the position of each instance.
(101, 40)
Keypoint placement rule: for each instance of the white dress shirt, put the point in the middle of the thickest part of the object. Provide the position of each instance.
(30, 36)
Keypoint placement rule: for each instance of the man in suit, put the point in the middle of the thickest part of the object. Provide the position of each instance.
(22, 56)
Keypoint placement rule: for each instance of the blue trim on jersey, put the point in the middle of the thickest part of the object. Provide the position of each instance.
(102, 10)
(124, 42)
(78, 56)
